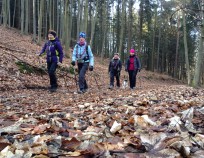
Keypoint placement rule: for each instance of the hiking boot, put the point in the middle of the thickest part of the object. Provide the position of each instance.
(110, 87)
(81, 91)
(53, 89)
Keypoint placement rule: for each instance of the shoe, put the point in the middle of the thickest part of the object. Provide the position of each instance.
(110, 87)
(53, 89)
(81, 91)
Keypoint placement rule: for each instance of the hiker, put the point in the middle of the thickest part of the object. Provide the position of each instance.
(54, 52)
(132, 66)
(82, 56)
(114, 69)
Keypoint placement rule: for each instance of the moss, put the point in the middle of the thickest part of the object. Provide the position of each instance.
(28, 69)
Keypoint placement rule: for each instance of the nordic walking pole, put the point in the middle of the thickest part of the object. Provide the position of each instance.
(75, 78)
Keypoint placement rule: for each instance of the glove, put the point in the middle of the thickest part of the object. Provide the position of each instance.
(126, 70)
(138, 70)
(90, 68)
(73, 63)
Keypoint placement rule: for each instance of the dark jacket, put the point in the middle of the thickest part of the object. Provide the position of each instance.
(53, 50)
(137, 64)
(115, 65)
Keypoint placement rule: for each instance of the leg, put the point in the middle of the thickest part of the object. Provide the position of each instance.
(131, 78)
(53, 79)
(118, 79)
(134, 79)
(111, 79)
(82, 73)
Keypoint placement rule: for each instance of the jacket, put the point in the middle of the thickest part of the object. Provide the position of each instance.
(53, 50)
(115, 65)
(81, 53)
(137, 64)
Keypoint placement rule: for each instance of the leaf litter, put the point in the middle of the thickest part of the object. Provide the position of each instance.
(161, 118)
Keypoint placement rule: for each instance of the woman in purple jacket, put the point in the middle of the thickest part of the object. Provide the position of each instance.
(54, 52)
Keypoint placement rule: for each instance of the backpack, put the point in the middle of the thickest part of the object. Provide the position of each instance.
(114, 64)
(87, 53)
(51, 44)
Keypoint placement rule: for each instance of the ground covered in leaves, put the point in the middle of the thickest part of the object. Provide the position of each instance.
(160, 118)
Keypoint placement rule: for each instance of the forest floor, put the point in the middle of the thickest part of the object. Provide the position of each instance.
(162, 117)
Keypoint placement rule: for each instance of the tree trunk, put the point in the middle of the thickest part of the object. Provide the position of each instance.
(85, 23)
(141, 12)
(22, 16)
(94, 22)
(130, 21)
(34, 21)
(104, 29)
(122, 27)
(198, 69)
(153, 39)
(186, 49)
(78, 18)
(40, 20)
(26, 17)
(177, 46)
(14, 14)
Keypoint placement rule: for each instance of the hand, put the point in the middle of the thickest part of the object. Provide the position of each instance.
(126, 70)
(59, 64)
(90, 68)
(139, 70)
(73, 63)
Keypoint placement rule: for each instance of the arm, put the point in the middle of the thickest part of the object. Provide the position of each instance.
(61, 54)
(120, 65)
(109, 67)
(43, 49)
(138, 63)
(74, 53)
(91, 57)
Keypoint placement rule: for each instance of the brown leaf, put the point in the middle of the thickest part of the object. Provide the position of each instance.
(71, 144)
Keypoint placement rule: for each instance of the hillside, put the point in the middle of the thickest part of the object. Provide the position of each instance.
(162, 117)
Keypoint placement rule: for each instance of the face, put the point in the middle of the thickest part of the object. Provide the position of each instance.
(81, 39)
(115, 56)
(131, 54)
(50, 36)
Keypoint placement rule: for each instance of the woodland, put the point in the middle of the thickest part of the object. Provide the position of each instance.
(161, 118)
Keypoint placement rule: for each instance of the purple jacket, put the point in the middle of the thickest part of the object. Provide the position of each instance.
(53, 50)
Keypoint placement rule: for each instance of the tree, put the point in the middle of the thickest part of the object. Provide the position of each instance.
(40, 20)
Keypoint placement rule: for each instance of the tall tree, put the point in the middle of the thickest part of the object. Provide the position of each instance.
(34, 21)
(186, 48)
(22, 15)
(40, 20)
(122, 26)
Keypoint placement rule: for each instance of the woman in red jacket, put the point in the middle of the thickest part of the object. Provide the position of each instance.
(132, 66)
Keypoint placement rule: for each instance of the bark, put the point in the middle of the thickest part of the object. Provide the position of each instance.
(40, 20)
(34, 21)
(22, 16)
(93, 24)
(122, 27)
(186, 49)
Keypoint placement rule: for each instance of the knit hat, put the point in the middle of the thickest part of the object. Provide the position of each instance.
(82, 35)
(52, 32)
(116, 54)
(132, 51)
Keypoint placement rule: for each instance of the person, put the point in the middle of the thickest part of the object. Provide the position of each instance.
(132, 66)
(82, 56)
(114, 70)
(55, 55)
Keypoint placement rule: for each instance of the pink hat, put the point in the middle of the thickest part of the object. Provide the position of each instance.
(132, 51)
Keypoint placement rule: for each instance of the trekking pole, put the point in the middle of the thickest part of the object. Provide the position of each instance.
(75, 78)
(94, 74)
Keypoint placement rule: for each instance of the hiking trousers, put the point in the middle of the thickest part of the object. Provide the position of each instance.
(114, 74)
(51, 67)
(82, 68)
(132, 78)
